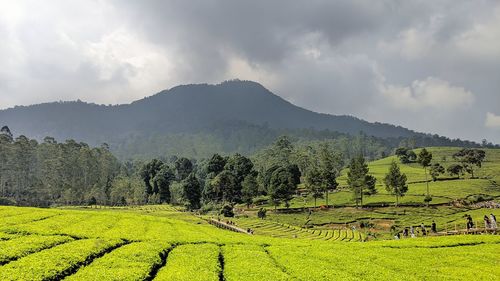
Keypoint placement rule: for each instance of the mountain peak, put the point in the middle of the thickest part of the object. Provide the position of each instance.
(184, 109)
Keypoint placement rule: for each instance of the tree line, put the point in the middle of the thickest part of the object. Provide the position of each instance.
(33, 173)
(46, 173)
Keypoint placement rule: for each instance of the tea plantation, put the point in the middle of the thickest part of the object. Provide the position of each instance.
(160, 243)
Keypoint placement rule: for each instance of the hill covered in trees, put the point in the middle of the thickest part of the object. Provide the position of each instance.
(198, 120)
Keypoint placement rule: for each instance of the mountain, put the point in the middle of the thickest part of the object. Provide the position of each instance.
(186, 110)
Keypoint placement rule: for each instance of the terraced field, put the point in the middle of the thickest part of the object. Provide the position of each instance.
(284, 230)
(160, 243)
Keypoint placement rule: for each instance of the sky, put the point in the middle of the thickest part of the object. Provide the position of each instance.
(431, 66)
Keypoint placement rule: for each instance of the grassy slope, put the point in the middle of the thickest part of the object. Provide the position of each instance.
(444, 190)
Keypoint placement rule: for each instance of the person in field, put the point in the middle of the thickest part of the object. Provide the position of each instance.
(486, 222)
(470, 223)
(405, 232)
(412, 232)
(424, 231)
(493, 221)
(433, 227)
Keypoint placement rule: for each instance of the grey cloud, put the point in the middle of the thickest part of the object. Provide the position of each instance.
(329, 56)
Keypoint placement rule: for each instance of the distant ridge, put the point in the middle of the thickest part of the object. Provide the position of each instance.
(185, 109)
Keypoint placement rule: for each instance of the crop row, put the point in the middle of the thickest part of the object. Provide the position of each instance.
(24, 245)
(291, 231)
(25, 218)
(134, 261)
(365, 261)
(250, 262)
(56, 262)
(6, 236)
(191, 262)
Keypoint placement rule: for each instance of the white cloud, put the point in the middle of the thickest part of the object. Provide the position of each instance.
(492, 120)
(414, 42)
(482, 40)
(429, 93)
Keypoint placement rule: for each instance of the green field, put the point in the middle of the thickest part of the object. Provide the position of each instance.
(161, 243)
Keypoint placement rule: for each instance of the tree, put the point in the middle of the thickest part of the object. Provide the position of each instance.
(227, 211)
(216, 164)
(424, 159)
(282, 150)
(435, 170)
(148, 173)
(412, 156)
(5, 131)
(401, 153)
(455, 170)
(314, 183)
(330, 165)
(191, 192)
(240, 166)
(265, 178)
(405, 155)
(283, 186)
(183, 167)
(163, 179)
(92, 201)
(359, 181)
(395, 182)
(249, 189)
(470, 157)
(225, 188)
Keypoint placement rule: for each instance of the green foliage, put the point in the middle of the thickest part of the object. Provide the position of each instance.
(261, 214)
(395, 182)
(46, 173)
(130, 262)
(192, 263)
(225, 187)
(314, 183)
(455, 170)
(249, 189)
(359, 181)
(157, 177)
(21, 246)
(424, 158)
(435, 170)
(191, 192)
(216, 164)
(469, 158)
(227, 211)
(53, 263)
(183, 167)
(283, 184)
(244, 262)
(200, 251)
(405, 155)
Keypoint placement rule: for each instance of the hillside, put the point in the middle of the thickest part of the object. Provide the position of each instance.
(232, 116)
(452, 198)
(444, 190)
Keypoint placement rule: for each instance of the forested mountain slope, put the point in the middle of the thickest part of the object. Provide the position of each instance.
(225, 116)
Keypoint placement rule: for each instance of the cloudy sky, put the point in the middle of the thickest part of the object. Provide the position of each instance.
(432, 66)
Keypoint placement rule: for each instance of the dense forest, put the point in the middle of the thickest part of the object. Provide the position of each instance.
(48, 172)
(248, 139)
(33, 173)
